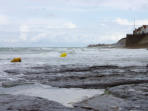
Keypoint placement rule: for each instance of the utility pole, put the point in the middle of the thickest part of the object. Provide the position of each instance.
(134, 24)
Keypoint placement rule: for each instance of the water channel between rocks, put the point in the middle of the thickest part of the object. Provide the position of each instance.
(65, 96)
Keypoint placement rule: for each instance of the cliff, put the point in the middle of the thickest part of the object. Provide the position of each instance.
(121, 43)
(137, 41)
(131, 41)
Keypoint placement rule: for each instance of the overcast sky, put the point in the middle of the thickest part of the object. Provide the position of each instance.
(68, 23)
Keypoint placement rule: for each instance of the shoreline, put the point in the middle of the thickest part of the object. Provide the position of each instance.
(121, 72)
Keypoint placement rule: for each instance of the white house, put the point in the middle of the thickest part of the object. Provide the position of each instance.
(141, 30)
(145, 29)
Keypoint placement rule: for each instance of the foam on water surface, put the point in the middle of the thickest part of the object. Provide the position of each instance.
(76, 56)
(83, 56)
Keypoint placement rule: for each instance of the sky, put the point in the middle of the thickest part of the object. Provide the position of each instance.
(68, 23)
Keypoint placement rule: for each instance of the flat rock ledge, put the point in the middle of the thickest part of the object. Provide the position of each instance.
(27, 103)
(126, 87)
(133, 97)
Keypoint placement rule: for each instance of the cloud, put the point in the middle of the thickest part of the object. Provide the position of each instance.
(70, 25)
(115, 4)
(126, 4)
(38, 29)
(112, 37)
(84, 5)
(4, 20)
(69, 21)
(24, 29)
(38, 23)
(122, 21)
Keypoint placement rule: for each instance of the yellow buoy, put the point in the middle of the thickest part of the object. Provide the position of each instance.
(63, 54)
(18, 59)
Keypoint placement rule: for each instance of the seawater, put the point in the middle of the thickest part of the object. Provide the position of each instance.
(80, 56)
(65, 96)
(32, 57)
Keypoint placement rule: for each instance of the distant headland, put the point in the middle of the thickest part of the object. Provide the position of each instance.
(138, 39)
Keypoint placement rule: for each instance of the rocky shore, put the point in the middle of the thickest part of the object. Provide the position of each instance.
(126, 88)
(27, 103)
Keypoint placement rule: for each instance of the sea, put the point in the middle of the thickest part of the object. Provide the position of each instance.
(80, 57)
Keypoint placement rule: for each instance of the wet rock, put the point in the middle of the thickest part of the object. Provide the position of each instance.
(10, 83)
(27, 103)
(104, 103)
(131, 97)
(128, 86)
(137, 94)
(132, 92)
(110, 82)
(83, 76)
(59, 69)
